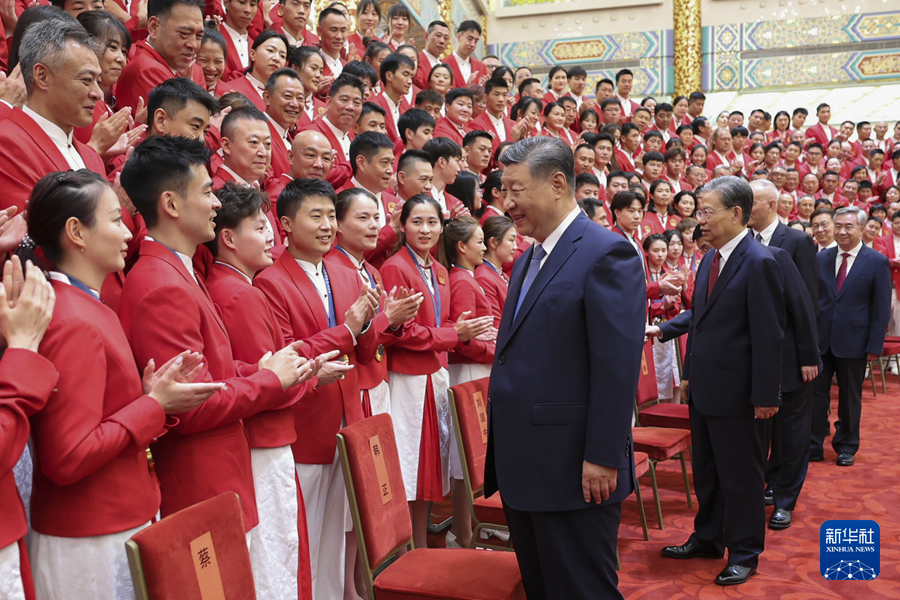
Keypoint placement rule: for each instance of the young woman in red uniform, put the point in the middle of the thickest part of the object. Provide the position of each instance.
(26, 382)
(500, 249)
(268, 54)
(659, 216)
(93, 486)
(418, 360)
(368, 16)
(656, 249)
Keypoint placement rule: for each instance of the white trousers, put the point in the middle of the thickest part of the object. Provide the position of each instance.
(94, 568)
(327, 518)
(380, 398)
(894, 323)
(462, 373)
(275, 541)
(11, 587)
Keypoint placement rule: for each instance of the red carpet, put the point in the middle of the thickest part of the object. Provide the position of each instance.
(789, 568)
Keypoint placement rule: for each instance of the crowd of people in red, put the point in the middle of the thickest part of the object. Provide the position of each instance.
(294, 227)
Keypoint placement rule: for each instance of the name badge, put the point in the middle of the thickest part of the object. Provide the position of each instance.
(207, 568)
(381, 474)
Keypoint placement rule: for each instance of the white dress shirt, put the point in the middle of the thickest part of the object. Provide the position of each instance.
(333, 63)
(282, 132)
(465, 69)
(185, 259)
(726, 250)
(237, 178)
(626, 105)
(428, 280)
(241, 43)
(831, 245)
(361, 269)
(827, 130)
(850, 259)
(767, 233)
(63, 141)
(499, 126)
(317, 277)
(342, 138)
(441, 198)
(395, 112)
(432, 60)
(551, 240)
(309, 107)
(258, 85)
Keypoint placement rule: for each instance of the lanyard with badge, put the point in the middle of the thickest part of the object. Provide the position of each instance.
(435, 295)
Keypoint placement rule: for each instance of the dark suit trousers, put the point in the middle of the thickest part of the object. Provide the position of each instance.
(851, 373)
(567, 555)
(789, 458)
(729, 461)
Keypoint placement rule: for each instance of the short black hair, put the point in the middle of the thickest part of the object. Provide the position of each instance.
(473, 135)
(434, 24)
(576, 72)
(371, 107)
(653, 156)
(393, 62)
(413, 119)
(173, 95)
(298, 55)
(664, 107)
(367, 144)
(294, 193)
(161, 9)
(800, 111)
(586, 179)
(347, 80)
(605, 80)
(327, 12)
(495, 82)
(696, 96)
(457, 93)
(623, 200)
(238, 202)
(526, 83)
(248, 113)
(622, 72)
(469, 26)
(345, 199)
(442, 147)
(429, 96)
(272, 83)
(411, 157)
(363, 70)
(161, 164)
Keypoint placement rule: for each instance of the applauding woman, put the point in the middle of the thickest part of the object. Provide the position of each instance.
(93, 486)
(500, 250)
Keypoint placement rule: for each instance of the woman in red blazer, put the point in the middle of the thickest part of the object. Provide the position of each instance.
(26, 382)
(417, 363)
(269, 53)
(93, 485)
(368, 16)
(555, 123)
(656, 249)
(500, 249)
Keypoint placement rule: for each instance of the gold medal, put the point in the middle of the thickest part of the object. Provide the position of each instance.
(379, 354)
(345, 359)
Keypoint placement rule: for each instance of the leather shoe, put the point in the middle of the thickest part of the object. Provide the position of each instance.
(770, 497)
(845, 460)
(690, 549)
(780, 519)
(734, 574)
(816, 456)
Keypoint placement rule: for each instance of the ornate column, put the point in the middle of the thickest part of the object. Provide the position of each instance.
(446, 11)
(688, 59)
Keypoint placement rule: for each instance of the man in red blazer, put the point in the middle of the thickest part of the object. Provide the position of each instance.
(245, 142)
(327, 307)
(396, 77)
(458, 110)
(239, 15)
(341, 112)
(624, 83)
(291, 19)
(310, 156)
(284, 104)
(175, 29)
(466, 69)
(333, 32)
(446, 162)
(166, 309)
(821, 132)
(38, 138)
(889, 245)
(436, 42)
(494, 119)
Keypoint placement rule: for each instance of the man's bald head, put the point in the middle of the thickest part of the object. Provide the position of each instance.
(311, 155)
(765, 204)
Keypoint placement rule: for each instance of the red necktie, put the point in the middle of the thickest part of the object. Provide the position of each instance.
(713, 274)
(842, 272)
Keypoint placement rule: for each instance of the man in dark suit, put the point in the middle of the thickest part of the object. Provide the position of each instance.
(564, 381)
(854, 309)
(733, 365)
(789, 458)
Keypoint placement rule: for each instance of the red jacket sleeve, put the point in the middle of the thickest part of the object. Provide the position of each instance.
(462, 299)
(26, 381)
(417, 336)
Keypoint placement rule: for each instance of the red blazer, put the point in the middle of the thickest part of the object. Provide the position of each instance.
(624, 161)
(327, 70)
(483, 123)
(164, 312)
(495, 287)
(308, 37)
(83, 134)
(144, 71)
(297, 306)
(233, 67)
(242, 85)
(445, 128)
(382, 101)
(280, 162)
(21, 5)
(26, 382)
(215, 8)
(458, 80)
(91, 474)
(253, 331)
(422, 71)
(318, 110)
(356, 40)
(340, 172)
(422, 350)
(713, 160)
(885, 245)
(466, 295)
(650, 223)
(653, 292)
(27, 154)
(817, 132)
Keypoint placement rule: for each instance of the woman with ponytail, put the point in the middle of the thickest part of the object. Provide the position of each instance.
(93, 485)
(500, 249)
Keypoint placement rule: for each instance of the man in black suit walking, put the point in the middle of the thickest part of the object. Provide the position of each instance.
(789, 458)
(854, 310)
(733, 364)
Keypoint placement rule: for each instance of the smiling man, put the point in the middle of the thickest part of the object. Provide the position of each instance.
(284, 104)
(61, 74)
(342, 111)
(246, 144)
(559, 447)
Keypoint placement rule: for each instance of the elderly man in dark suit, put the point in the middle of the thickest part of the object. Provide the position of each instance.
(564, 381)
(733, 364)
(854, 310)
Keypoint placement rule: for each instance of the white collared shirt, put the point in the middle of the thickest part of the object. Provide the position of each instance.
(896, 245)
(292, 41)
(317, 277)
(381, 216)
(237, 178)
(241, 43)
(428, 280)
(441, 198)
(185, 259)
(432, 60)
(342, 138)
(551, 240)
(726, 250)
(674, 184)
(499, 126)
(395, 111)
(282, 132)
(850, 259)
(579, 100)
(601, 175)
(63, 278)
(827, 130)
(333, 63)
(465, 69)
(833, 244)
(626, 105)
(360, 267)
(63, 142)
(258, 85)
(767, 233)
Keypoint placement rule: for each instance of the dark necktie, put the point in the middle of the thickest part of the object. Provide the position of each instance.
(713, 274)
(842, 272)
(534, 266)
(759, 237)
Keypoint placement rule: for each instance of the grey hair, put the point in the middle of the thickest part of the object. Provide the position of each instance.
(861, 215)
(45, 43)
(544, 156)
(733, 191)
(765, 188)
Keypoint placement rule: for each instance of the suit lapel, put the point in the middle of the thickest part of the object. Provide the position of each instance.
(831, 262)
(731, 266)
(778, 236)
(306, 288)
(41, 139)
(859, 264)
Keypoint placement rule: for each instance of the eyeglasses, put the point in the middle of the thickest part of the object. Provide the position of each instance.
(708, 212)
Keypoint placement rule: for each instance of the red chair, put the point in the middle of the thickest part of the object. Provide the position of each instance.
(663, 414)
(641, 466)
(468, 406)
(371, 467)
(195, 554)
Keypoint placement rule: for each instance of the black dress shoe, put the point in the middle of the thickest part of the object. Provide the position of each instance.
(734, 574)
(816, 457)
(845, 460)
(780, 519)
(691, 549)
(770, 497)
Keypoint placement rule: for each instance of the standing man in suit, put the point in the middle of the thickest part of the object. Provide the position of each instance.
(733, 364)
(789, 458)
(854, 309)
(564, 381)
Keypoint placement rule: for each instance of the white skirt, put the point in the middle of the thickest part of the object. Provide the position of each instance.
(407, 411)
(666, 368)
(380, 398)
(94, 568)
(463, 373)
(894, 323)
(275, 541)
(11, 587)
